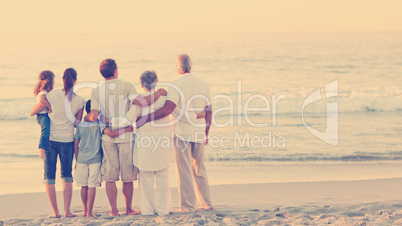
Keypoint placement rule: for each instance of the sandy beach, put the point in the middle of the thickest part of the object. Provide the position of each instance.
(306, 100)
(367, 202)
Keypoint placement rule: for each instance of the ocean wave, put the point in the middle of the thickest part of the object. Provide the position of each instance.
(356, 157)
(14, 155)
(385, 99)
(16, 109)
(219, 156)
(292, 102)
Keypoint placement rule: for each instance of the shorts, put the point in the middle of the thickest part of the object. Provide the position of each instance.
(65, 151)
(118, 160)
(88, 175)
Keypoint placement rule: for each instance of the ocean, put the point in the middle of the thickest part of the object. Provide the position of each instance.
(263, 130)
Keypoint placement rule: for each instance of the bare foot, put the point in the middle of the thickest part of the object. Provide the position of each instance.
(55, 215)
(206, 208)
(184, 210)
(113, 213)
(69, 215)
(42, 153)
(90, 215)
(132, 211)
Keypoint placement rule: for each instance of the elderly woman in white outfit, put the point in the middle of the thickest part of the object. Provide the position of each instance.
(153, 150)
(151, 158)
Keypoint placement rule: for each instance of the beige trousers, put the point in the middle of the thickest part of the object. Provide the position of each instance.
(192, 179)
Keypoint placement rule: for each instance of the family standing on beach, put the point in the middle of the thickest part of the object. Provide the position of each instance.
(106, 150)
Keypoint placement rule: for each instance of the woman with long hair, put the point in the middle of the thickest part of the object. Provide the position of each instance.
(67, 110)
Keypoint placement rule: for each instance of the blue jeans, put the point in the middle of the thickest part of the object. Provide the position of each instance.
(66, 155)
(44, 122)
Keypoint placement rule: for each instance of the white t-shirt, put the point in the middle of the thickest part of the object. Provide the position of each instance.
(191, 94)
(112, 98)
(63, 114)
(44, 111)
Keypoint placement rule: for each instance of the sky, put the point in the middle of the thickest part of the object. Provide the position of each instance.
(207, 16)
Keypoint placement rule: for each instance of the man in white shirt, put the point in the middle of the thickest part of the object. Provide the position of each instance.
(190, 93)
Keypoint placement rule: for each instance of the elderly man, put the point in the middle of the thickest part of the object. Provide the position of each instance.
(189, 93)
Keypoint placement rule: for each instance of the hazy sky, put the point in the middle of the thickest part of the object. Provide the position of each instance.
(128, 16)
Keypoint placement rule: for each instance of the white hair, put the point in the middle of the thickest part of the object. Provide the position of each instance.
(148, 79)
(184, 62)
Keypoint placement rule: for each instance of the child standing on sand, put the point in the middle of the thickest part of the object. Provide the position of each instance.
(44, 85)
(88, 155)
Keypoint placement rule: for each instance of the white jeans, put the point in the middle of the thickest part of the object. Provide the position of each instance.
(163, 195)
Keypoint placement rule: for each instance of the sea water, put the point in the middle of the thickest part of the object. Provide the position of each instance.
(274, 74)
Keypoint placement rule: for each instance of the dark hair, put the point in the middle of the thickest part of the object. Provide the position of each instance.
(88, 106)
(45, 83)
(148, 79)
(107, 68)
(69, 77)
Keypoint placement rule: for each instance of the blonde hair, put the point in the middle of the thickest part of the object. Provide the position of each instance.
(45, 83)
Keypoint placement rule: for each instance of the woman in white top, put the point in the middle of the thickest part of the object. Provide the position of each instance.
(67, 110)
(151, 157)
